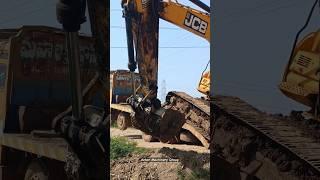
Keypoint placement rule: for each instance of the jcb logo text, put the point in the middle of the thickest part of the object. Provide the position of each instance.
(195, 23)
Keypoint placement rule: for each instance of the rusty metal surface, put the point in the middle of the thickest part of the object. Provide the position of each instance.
(121, 82)
(39, 63)
(39, 53)
(99, 20)
(145, 29)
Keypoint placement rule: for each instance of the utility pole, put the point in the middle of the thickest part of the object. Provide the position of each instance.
(163, 91)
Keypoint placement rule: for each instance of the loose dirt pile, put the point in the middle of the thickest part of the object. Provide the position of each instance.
(136, 136)
(163, 164)
(162, 161)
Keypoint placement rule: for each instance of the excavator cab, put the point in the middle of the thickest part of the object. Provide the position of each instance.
(301, 79)
(302, 75)
(204, 84)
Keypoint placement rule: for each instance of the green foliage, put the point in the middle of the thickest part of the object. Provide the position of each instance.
(114, 124)
(181, 174)
(195, 174)
(199, 174)
(121, 147)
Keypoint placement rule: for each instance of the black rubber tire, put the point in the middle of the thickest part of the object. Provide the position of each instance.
(123, 121)
(36, 171)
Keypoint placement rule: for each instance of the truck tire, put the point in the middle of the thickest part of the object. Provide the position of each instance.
(36, 171)
(123, 121)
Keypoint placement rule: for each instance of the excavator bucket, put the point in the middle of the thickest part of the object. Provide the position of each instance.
(170, 125)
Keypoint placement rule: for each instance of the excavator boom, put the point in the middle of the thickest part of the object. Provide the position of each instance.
(142, 28)
(142, 21)
(187, 18)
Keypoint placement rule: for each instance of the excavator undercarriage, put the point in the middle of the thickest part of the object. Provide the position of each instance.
(262, 145)
(196, 111)
(250, 144)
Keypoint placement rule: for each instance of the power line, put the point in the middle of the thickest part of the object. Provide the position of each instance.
(21, 4)
(170, 28)
(250, 84)
(181, 36)
(23, 14)
(244, 88)
(168, 47)
(261, 13)
(250, 10)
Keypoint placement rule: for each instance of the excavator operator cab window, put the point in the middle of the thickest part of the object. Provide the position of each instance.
(3, 73)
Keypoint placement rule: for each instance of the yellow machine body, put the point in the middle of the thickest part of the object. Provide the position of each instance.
(204, 84)
(301, 78)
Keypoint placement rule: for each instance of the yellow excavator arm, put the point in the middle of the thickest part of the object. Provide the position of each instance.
(142, 29)
(194, 21)
(187, 18)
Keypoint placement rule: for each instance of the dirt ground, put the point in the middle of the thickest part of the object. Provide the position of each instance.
(163, 162)
(136, 136)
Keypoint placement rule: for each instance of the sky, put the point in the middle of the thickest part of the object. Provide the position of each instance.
(252, 40)
(180, 68)
(252, 43)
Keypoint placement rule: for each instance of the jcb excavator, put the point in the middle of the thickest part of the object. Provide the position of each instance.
(250, 144)
(46, 132)
(181, 114)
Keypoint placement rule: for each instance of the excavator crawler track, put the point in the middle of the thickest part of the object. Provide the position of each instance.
(245, 136)
(197, 113)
